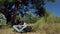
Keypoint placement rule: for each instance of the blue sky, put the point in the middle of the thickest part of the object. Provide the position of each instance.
(54, 8)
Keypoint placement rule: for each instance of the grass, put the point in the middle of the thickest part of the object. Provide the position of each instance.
(49, 25)
(53, 28)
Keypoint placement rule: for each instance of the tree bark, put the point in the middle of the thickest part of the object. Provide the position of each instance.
(14, 13)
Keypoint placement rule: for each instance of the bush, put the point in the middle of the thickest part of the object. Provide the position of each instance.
(2, 19)
(40, 24)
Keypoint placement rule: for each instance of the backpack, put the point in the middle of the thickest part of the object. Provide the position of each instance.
(28, 29)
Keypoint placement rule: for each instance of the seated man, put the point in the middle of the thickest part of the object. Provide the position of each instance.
(20, 24)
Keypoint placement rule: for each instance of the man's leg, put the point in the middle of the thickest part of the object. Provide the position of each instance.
(15, 27)
(22, 28)
(19, 30)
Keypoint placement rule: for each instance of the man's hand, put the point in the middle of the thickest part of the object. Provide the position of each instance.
(20, 25)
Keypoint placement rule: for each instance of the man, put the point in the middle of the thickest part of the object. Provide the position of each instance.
(20, 24)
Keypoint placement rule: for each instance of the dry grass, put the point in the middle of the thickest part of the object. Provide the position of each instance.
(53, 28)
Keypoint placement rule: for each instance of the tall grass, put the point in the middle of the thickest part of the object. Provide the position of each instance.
(39, 24)
(50, 25)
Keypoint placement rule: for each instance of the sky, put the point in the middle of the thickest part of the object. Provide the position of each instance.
(54, 7)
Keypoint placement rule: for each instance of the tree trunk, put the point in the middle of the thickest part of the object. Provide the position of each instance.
(14, 13)
(9, 18)
(6, 14)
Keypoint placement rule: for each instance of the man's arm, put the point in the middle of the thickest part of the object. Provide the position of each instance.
(21, 25)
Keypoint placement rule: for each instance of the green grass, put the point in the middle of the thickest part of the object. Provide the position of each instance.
(51, 25)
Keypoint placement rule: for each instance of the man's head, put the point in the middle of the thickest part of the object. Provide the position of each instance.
(20, 19)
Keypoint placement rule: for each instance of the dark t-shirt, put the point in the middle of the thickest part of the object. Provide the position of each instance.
(19, 23)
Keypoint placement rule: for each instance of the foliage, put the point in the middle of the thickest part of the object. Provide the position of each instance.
(2, 19)
(51, 0)
(53, 19)
(40, 24)
(8, 10)
(28, 18)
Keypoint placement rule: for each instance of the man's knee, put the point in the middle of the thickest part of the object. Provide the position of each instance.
(14, 26)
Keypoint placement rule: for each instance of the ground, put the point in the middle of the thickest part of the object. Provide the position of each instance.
(4, 31)
(47, 29)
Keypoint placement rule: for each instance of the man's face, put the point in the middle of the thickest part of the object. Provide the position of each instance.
(20, 19)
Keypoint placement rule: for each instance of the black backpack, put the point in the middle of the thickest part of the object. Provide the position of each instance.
(28, 29)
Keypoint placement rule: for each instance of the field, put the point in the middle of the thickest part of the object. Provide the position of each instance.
(47, 29)
(44, 25)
